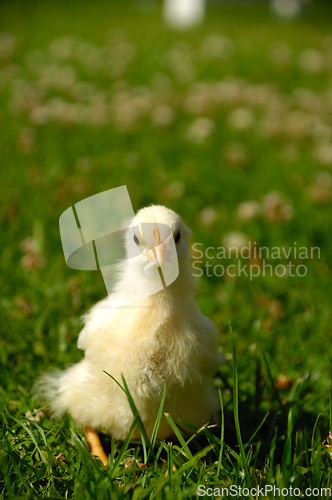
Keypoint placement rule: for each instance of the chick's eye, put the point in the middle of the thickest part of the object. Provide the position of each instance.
(177, 237)
(136, 240)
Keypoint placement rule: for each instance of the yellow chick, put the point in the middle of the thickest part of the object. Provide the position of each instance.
(161, 337)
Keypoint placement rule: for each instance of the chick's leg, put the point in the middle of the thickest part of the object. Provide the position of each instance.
(95, 444)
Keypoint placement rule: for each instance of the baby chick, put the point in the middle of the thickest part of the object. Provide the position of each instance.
(161, 337)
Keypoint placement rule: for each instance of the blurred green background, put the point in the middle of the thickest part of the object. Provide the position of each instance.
(229, 124)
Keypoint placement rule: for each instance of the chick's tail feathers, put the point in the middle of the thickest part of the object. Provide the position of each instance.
(48, 389)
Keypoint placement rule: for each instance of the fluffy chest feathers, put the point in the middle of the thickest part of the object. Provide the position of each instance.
(146, 344)
(167, 354)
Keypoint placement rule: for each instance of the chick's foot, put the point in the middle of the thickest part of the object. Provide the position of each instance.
(95, 445)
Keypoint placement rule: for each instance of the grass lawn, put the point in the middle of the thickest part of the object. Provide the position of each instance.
(230, 125)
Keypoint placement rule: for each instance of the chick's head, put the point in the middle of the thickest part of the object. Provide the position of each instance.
(156, 237)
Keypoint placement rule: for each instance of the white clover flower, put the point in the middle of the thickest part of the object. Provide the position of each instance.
(25, 96)
(275, 208)
(179, 60)
(236, 155)
(198, 99)
(228, 91)
(162, 115)
(323, 154)
(296, 124)
(258, 95)
(311, 61)
(124, 114)
(272, 125)
(142, 100)
(320, 190)
(235, 240)
(241, 118)
(320, 130)
(208, 216)
(308, 100)
(40, 115)
(248, 210)
(82, 91)
(176, 189)
(62, 48)
(200, 130)
(97, 113)
(64, 77)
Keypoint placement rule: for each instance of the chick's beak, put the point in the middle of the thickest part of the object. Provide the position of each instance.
(159, 254)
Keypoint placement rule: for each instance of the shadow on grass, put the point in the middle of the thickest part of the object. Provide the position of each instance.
(305, 430)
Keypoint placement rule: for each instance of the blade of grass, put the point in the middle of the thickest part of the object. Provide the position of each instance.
(16, 468)
(145, 440)
(189, 425)
(116, 381)
(170, 462)
(222, 433)
(83, 450)
(123, 449)
(160, 449)
(215, 439)
(275, 392)
(33, 439)
(148, 492)
(49, 453)
(178, 434)
(330, 407)
(236, 409)
(287, 454)
(144, 436)
(254, 434)
(313, 436)
(157, 422)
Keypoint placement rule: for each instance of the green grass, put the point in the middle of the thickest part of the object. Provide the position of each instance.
(62, 141)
